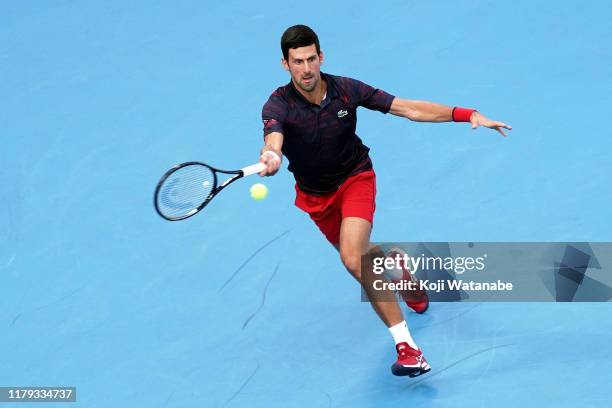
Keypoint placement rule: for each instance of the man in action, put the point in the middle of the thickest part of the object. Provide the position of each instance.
(312, 122)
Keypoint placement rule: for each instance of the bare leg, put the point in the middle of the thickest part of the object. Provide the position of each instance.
(354, 242)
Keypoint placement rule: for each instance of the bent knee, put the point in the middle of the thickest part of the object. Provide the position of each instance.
(352, 262)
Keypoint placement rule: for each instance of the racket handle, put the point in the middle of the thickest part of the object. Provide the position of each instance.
(254, 168)
(259, 167)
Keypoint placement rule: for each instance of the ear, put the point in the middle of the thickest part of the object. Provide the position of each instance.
(285, 64)
(321, 57)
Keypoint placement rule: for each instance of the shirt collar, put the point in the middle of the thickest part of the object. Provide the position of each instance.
(331, 90)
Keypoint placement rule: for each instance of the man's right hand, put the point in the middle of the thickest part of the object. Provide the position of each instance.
(272, 162)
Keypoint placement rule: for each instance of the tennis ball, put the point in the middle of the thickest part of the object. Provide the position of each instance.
(258, 191)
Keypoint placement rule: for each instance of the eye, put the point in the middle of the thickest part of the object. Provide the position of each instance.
(311, 59)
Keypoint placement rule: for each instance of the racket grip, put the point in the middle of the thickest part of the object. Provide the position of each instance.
(254, 168)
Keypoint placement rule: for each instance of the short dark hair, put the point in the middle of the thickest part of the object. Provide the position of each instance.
(298, 36)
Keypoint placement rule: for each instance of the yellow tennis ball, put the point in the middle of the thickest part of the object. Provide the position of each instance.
(259, 191)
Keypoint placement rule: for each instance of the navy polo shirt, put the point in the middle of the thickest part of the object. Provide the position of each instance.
(320, 141)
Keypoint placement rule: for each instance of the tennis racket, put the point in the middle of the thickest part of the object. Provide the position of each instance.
(186, 188)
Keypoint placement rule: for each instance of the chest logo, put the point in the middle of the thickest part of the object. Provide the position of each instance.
(342, 113)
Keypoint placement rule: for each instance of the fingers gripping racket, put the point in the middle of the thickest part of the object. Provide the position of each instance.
(186, 188)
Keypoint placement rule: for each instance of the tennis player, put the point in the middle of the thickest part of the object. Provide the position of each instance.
(312, 122)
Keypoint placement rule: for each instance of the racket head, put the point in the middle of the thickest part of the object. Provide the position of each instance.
(184, 190)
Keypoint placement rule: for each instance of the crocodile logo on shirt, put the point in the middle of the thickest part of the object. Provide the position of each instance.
(342, 113)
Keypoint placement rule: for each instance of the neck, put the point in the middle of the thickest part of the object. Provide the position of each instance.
(316, 95)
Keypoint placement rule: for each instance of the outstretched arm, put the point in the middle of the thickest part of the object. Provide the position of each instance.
(423, 111)
(274, 144)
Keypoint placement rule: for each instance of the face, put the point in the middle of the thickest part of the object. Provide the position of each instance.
(304, 65)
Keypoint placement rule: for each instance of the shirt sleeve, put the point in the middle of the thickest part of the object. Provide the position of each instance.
(369, 97)
(273, 114)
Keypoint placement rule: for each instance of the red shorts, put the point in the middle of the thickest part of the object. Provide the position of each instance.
(356, 197)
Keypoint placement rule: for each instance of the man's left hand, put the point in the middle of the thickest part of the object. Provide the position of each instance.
(478, 119)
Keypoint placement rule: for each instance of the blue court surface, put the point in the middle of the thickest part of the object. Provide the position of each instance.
(245, 304)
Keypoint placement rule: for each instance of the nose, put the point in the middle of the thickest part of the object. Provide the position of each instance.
(306, 67)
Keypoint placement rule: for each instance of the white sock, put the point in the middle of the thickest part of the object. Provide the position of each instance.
(401, 334)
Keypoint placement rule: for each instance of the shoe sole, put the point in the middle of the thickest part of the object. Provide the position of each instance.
(411, 372)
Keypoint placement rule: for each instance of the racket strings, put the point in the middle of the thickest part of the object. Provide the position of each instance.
(185, 190)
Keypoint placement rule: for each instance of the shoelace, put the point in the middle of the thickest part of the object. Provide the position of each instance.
(402, 351)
